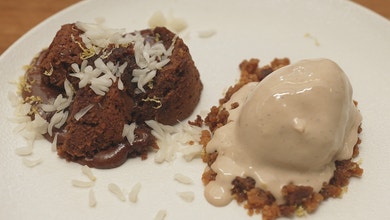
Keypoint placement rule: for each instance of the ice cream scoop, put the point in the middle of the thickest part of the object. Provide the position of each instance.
(289, 128)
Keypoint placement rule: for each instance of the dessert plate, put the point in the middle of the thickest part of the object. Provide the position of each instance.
(356, 38)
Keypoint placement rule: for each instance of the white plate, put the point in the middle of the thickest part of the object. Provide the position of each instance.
(354, 37)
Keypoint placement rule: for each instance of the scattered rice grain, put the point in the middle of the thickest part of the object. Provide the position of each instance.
(157, 20)
(160, 215)
(191, 152)
(207, 33)
(133, 195)
(31, 162)
(183, 179)
(187, 196)
(92, 198)
(82, 184)
(117, 191)
(88, 172)
(24, 151)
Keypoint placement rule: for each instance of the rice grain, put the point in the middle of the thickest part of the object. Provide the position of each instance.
(133, 195)
(183, 179)
(88, 172)
(187, 196)
(160, 215)
(82, 184)
(24, 151)
(31, 162)
(92, 198)
(116, 191)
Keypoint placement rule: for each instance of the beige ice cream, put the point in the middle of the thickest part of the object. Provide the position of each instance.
(289, 128)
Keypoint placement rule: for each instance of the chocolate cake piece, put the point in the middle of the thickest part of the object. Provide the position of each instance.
(92, 92)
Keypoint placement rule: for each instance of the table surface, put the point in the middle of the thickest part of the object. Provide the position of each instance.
(18, 16)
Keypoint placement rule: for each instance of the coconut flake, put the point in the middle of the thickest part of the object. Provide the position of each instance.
(128, 132)
(101, 84)
(120, 84)
(54, 143)
(60, 103)
(169, 139)
(85, 75)
(83, 111)
(47, 107)
(63, 120)
(98, 37)
(167, 149)
(101, 77)
(191, 152)
(38, 125)
(149, 59)
(69, 90)
(57, 119)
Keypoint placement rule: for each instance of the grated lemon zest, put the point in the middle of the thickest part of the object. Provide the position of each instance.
(50, 72)
(154, 99)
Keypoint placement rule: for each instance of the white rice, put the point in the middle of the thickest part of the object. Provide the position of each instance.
(25, 150)
(69, 90)
(171, 138)
(116, 191)
(31, 162)
(191, 152)
(99, 78)
(97, 37)
(183, 179)
(161, 214)
(83, 111)
(176, 24)
(92, 198)
(63, 120)
(14, 99)
(88, 172)
(82, 184)
(187, 196)
(207, 33)
(157, 19)
(57, 120)
(133, 195)
(38, 125)
(128, 132)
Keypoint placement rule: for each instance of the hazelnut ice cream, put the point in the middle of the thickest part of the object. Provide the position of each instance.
(289, 128)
